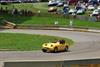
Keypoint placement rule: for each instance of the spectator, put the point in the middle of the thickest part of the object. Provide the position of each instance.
(74, 15)
(15, 11)
(39, 12)
(1, 9)
(65, 9)
(71, 23)
(98, 18)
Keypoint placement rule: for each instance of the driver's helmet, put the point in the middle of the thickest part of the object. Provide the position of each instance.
(61, 41)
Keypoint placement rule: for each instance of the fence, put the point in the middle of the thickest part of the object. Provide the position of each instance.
(66, 63)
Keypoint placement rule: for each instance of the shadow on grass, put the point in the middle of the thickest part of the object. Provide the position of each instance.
(17, 19)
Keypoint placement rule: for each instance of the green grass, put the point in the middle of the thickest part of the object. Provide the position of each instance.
(26, 42)
(36, 20)
(87, 24)
(49, 20)
(44, 19)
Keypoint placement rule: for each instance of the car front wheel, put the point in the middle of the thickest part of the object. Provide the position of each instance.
(55, 49)
(66, 48)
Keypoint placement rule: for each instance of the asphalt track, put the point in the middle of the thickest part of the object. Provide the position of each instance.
(87, 46)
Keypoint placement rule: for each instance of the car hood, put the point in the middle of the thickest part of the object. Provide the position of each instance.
(48, 44)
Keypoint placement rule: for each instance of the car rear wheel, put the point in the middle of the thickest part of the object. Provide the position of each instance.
(44, 50)
(55, 49)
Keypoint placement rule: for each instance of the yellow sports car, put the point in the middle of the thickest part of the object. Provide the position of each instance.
(55, 46)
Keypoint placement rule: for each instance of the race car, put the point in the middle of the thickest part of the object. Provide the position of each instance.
(55, 46)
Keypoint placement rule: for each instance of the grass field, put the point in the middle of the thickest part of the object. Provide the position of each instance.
(45, 18)
(26, 42)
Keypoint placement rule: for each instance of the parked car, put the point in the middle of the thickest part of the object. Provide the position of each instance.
(96, 12)
(72, 11)
(81, 11)
(52, 3)
(98, 7)
(60, 4)
(91, 7)
(55, 46)
(78, 7)
(52, 9)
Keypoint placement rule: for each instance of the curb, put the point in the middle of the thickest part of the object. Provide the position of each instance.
(96, 31)
(81, 30)
(57, 28)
